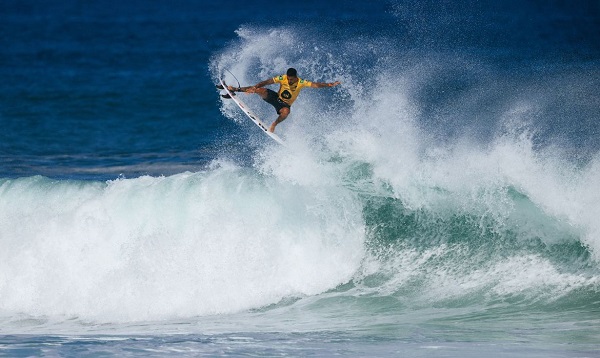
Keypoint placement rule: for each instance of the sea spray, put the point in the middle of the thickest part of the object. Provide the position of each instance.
(455, 198)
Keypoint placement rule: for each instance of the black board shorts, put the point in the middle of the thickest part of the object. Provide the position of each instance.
(273, 100)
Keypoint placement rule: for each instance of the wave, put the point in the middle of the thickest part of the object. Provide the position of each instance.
(230, 238)
(427, 178)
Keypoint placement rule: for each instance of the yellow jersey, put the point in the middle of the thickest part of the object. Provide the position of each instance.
(288, 93)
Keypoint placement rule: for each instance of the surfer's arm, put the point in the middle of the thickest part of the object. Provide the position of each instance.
(252, 89)
(264, 83)
(324, 84)
(261, 84)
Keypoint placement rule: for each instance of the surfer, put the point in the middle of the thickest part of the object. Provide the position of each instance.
(289, 88)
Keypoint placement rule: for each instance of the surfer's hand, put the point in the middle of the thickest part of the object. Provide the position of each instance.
(335, 83)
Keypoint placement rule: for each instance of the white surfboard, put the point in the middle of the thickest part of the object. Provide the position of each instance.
(251, 114)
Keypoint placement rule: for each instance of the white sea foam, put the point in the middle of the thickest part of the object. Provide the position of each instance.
(218, 241)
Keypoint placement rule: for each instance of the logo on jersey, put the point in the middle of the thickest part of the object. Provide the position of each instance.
(286, 94)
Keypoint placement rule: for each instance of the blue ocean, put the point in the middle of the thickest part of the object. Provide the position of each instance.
(443, 201)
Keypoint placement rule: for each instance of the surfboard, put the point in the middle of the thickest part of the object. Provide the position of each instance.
(251, 114)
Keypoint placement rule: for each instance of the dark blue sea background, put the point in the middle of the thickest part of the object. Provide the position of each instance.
(443, 201)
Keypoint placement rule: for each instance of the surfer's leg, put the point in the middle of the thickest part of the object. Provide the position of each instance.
(283, 113)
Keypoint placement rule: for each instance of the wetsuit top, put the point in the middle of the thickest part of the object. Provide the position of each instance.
(288, 93)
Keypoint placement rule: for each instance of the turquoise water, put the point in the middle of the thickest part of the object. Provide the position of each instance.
(442, 201)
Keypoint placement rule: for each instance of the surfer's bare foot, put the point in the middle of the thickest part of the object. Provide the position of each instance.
(272, 129)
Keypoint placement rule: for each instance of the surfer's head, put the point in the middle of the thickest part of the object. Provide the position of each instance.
(292, 75)
(291, 72)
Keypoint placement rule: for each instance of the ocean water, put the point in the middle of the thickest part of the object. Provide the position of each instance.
(444, 201)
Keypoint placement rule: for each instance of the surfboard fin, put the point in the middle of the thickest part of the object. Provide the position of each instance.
(227, 96)
(220, 87)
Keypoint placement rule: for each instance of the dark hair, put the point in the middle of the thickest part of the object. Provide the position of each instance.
(292, 72)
